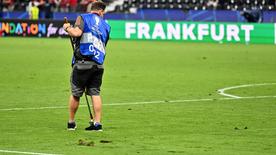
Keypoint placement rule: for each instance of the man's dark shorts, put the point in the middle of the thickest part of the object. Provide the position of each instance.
(86, 75)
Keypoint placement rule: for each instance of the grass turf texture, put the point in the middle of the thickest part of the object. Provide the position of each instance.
(35, 73)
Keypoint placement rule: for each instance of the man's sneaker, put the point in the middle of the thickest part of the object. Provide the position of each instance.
(71, 126)
(95, 127)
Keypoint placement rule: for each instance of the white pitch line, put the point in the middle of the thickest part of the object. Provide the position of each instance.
(111, 104)
(222, 91)
(36, 108)
(143, 103)
(30, 153)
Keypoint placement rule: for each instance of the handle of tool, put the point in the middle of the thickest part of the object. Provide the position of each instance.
(71, 39)
(89, 109)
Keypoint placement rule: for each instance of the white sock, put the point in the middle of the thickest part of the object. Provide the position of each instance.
(71, 121)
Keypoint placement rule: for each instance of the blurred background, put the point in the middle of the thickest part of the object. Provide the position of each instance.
(165, 10)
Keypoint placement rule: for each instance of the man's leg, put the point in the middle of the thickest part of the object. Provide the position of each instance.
(97, 108)
(94, 91)
(73, 107)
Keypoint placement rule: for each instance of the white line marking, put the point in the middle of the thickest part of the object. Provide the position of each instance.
(222, 91)
(20, 152)
(142, 103)
(37, 108)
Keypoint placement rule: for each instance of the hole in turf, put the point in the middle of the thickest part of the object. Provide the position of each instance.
(105, 141)
(83, 142)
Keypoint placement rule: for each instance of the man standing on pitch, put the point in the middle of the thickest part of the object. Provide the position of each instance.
(91, 34)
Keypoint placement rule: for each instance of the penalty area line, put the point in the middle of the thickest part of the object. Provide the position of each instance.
(144, 103)
(30, 153)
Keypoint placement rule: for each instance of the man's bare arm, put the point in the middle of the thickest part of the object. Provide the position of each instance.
(73, 31)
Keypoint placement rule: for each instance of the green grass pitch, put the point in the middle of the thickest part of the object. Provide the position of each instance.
(159, 98)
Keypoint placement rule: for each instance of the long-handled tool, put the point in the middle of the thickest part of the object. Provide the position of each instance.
(73, 47)
(71, 39)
